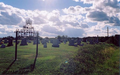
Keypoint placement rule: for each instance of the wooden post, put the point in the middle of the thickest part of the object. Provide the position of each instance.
(107, 31)
(37, 46)
(16, 44)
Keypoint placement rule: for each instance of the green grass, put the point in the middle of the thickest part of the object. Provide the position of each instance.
(101, 59)
(48, 60)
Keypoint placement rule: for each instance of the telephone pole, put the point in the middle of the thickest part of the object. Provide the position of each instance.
(107, 31)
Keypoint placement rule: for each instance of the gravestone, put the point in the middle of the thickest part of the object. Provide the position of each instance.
(2, 46)
(17, 42)
(45, 45)
(55, 43)
(91, 42)
(65, 40)
(51, 40)
(10, 42)
(71, 42)
(81, 44)
(35, 41)
(97, 41)
(44, 41)
(5, 41)
(84, 39)
(47, 40)
(28, 41)
(23, 42)
(1, 42)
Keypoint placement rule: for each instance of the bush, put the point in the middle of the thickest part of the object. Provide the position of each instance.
(86, 59)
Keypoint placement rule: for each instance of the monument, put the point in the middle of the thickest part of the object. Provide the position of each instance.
(10, 42)
(55, 43)
(71, 42)
(5, 41)
(23, 42)
(35, 42)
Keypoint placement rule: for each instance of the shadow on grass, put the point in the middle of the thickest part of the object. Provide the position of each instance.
(24, 70)
(4, 72)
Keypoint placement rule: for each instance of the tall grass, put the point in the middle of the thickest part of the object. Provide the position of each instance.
(88, 60)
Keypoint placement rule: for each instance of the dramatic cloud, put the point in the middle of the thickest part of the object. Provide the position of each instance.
(114, 21)
(97, 16)
(73, 21)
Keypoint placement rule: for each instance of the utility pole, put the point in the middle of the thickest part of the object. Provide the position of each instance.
(107, 31)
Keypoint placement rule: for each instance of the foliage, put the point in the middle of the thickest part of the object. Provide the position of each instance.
(87, 59)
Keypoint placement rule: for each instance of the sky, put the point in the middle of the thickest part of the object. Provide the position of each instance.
(74, 18)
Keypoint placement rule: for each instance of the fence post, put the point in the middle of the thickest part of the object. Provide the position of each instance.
(37, 46)
(16, 44)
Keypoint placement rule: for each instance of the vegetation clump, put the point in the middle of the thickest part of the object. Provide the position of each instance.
(88, 59)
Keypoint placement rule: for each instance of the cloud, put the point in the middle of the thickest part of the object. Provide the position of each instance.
(76, 0)
(115, 21)
(74, 10)
(6, 19)
(51, 29)
(83, 25)
(74, 22)
(97, 16)
(71, 32)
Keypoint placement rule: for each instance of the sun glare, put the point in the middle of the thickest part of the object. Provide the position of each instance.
(49, 1)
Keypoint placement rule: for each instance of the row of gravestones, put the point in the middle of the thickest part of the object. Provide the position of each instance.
(55, 42)
(9, 41)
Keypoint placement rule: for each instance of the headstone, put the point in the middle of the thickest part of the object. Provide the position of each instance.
(78, 42)
(23, 42)
(10, 42)
(45, 45)
(1, 42)
(51, 40)
(91, 42)
(55, 43)
(5, 41)
(97, 41)
(44, 41)
(35, 41)
(65, 40)
(2, 46)
(84, 39)
(28, 41)
(47, 40)
(17, 42)
(71, 42)
(81, 45)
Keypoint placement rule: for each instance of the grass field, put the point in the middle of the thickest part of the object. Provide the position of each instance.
(104, 60)
(48, 60)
